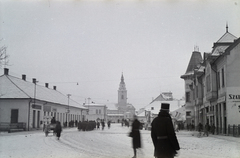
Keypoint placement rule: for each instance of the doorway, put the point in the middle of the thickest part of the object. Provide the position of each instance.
(14, 116)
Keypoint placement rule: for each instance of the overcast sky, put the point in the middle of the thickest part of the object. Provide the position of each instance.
(93, 42)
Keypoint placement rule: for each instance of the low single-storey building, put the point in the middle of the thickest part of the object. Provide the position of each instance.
(29, 106)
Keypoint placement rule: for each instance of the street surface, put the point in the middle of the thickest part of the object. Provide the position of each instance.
(110, 143)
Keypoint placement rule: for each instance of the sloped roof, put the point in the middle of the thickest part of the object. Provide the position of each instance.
(227, 37)
(223, 43)
(155, 106)
(196, 58)
(165, 96)
(219, 50)
(15, 88)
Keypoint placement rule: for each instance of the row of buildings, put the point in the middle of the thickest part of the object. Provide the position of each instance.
(28, 105)
(212, 85)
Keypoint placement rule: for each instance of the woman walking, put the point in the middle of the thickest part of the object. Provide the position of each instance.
(58, 129)
(135, 134)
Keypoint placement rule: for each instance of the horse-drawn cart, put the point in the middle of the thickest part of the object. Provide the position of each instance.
(49, 128)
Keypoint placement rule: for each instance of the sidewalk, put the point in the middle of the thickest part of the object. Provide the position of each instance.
(219, 136)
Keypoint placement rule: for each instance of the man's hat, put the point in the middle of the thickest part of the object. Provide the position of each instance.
(165, 106)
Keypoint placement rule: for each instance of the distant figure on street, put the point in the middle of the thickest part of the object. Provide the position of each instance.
(163, 135)
(200, 127)
(98, 124)
(135, 134)
(109, 124)
(53, 121)
(103, 124)
(213, 128)
(206, 128)
(58, 129)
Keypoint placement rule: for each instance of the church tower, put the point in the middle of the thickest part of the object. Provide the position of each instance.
(122, 93)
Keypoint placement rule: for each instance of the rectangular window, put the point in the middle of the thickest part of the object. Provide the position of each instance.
(218, 80)
(188, 113)
(223, 85)
(208, 83)
(99, 111)
(152, 108)
(188, 97)
(96, 111)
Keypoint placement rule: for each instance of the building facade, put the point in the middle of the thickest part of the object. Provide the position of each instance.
(32, 105)
(213, 86)
(96, 112)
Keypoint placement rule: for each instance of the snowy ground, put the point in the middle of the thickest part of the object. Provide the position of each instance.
(110, 143)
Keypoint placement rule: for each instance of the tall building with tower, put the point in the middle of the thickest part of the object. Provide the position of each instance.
(122, 109)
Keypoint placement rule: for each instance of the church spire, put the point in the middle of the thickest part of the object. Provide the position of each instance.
(122, 79)
(226, 27)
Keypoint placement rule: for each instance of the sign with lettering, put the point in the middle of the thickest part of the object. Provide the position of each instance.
(34, 106)
(233, 94)
(234, 97)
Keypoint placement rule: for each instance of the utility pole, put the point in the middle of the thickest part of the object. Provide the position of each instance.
(68, 111)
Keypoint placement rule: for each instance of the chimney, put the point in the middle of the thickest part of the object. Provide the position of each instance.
(6, 71)
(24, 77)
(55, 87)
(46, 85)
(34, 80)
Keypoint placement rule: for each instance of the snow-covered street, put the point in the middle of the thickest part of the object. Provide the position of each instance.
(110, 143)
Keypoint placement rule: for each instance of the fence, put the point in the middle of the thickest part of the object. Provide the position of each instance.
(4, 126)
(234, 130)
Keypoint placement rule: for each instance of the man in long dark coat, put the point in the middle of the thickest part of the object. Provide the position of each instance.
(163, 135)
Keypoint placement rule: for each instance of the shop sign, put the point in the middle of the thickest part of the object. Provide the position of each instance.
(47, 108)
(34, 106)
(234, 97)
(221, 99)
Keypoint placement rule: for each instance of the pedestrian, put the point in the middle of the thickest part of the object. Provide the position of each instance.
(135, 134)
(206, 129)
(213, 128)
(58, 129)
(109, 124)
(98, 124)
(53, 121)
(103, 124)
(163, 135)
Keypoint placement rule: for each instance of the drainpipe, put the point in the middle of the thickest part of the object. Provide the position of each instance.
(29, 104)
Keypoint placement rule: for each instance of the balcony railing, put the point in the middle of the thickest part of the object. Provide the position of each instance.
(212, 95)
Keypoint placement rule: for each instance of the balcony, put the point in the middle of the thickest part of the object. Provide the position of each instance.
(211, 96)
(210, 113)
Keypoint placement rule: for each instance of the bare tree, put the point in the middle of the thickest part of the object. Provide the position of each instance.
(3, 56)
